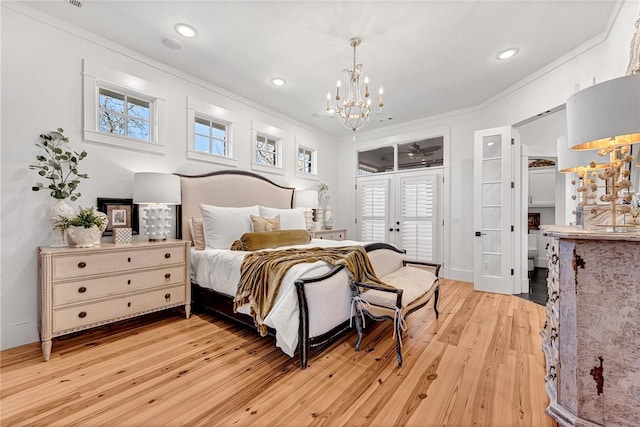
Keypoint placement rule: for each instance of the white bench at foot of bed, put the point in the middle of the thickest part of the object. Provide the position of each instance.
(414, 283)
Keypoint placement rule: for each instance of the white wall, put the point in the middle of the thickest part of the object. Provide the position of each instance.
(602, 59)
(42, 90)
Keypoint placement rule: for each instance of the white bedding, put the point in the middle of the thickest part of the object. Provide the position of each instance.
(219, 269)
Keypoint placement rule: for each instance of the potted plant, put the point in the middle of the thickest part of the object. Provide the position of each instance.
(58, 166)
(84, 228)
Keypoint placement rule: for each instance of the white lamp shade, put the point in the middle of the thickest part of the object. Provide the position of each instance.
(305, 199)
(152, 187)
(606, 110)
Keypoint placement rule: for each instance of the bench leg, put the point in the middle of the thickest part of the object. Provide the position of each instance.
(358, 320)
(399, 344)
(436, 295)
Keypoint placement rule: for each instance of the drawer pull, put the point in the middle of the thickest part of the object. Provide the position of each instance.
(167, 297)
(167, 276)
(128, 304)
(129, 259)
(167, 255)
(82, 264)
(82, 314)
(129, 282)
(82, 289)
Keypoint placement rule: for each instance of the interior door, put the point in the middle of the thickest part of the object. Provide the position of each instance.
(416, 218)
(493, 215)
(373, 209)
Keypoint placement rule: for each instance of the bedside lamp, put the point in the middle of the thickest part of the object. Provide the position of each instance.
(307, 199)
(157, 190)
(605, 117)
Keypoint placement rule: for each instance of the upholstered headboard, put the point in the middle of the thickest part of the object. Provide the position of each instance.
(228, 188)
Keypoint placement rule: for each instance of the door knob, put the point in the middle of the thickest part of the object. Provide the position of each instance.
(478, 234)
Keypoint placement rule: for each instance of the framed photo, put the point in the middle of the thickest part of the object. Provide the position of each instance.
(534, 221)
(122, 213)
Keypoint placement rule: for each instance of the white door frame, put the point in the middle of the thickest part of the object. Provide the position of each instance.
(511, 241)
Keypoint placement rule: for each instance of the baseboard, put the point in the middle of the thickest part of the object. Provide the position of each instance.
(461, 275)
(18, 334)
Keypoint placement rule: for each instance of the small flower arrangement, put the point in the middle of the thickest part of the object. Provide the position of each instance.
(85, 218)
(322, 189)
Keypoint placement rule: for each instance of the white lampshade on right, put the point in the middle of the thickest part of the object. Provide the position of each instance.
(157, 190)
(307, 199)
(606, 117)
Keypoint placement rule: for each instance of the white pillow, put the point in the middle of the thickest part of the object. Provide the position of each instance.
(290, 219)
(223, 225)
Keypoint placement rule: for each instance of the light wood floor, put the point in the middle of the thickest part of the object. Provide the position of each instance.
(480, 364)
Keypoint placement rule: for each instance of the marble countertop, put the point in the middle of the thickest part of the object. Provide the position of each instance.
(570, 232)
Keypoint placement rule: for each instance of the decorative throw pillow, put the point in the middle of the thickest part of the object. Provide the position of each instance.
(196, 226)
(259, 223)
(270, 239)
(290, 219)
(222, 225)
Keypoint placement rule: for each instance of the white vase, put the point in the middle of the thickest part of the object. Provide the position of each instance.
(328, 214)
(84, 237)
(59, 209)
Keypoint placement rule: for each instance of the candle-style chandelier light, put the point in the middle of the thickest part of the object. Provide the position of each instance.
(354, 111)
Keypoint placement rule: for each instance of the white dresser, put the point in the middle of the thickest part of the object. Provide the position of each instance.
(80, 288)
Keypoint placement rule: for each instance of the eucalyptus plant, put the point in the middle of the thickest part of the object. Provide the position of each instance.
(58, 166)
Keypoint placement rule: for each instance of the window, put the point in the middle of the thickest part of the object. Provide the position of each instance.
(121, 114)
(209, 133)
(306, 157)
(267, 148)
(266, 151)
(210, 137)
(123, 110)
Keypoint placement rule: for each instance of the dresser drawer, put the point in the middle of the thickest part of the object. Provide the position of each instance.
(82, 315)
(84, 290)
(86, 264)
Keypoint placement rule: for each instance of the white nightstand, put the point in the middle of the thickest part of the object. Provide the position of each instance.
(81, 288)
(335, 234)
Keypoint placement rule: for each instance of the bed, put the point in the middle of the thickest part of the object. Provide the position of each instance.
(313, 304)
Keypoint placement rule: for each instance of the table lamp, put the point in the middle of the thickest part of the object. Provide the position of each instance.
(157, 190)
(307, 199)
(606, 117)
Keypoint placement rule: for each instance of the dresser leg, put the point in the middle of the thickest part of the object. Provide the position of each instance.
(187, 311)
(46, 349)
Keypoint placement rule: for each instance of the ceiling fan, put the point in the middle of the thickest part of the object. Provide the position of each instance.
(417, 152)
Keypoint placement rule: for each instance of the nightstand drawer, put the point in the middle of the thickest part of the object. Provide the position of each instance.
(83, 290)
(329, 234)
(121, 307)
(87, 264)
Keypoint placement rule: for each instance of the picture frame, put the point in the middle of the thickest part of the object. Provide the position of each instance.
(122, 213)
(533, 221)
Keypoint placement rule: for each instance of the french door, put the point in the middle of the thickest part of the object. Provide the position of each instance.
(402, 209)
(493, 214)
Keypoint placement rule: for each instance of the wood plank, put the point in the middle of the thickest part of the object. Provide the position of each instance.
(480, 363)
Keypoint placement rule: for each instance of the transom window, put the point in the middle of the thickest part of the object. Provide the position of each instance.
(267, 152)
(306, 160)
(211, 137)
(123, 114)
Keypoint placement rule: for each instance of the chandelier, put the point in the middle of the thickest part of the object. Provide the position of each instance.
(355, 110)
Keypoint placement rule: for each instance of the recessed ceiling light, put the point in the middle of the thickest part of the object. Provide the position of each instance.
(278, 81)
(186, 30)
(506, 54)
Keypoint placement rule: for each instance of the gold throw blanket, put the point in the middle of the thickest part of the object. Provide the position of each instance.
(262, 272)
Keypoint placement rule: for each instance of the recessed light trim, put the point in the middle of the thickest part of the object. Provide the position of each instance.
(508, 53)
(186, 30)
(278, 81)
